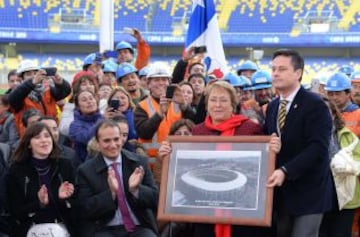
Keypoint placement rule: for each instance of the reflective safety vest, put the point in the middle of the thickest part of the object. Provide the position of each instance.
(47, 107)
(151, 106)
(352, 121)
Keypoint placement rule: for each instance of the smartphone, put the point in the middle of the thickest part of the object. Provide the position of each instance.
(50, 71)
(128, 30)
(114, 104)
(200, 49)
(170, 91)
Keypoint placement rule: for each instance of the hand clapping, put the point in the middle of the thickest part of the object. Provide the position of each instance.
(43, 195)
(66, 190)
(136, 179)
(112, 182)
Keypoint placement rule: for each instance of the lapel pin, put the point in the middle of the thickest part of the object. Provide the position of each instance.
(295, 106)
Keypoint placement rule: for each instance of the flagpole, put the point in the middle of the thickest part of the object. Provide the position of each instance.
(106, 26)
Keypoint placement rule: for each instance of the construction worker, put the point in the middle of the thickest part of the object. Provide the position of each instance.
(355, 87)
(241, 84)
(338, 89)
(128, 78)
(126, 53)
(155, 114)
(261, 84)
(93, 63)
(248, 68)
(32, 94)
(109, 68)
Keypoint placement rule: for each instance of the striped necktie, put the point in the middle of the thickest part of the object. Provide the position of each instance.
(282, 114)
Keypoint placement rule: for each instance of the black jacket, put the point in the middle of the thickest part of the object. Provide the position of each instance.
(305, 140)
(22, 183)
(17, 96)
(95, 199)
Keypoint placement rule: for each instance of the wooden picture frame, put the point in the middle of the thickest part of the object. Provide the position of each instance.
(216, 179)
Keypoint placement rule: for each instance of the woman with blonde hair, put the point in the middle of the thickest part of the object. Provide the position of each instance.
(221, 102)
(120, 103)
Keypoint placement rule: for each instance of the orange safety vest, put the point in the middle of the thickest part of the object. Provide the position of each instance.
(352, 121)
(150, 106)
(47, 107)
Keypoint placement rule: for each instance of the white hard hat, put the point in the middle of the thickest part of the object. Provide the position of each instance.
(159, 69)
(27, 65)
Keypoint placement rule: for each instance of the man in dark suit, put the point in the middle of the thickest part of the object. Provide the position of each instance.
(302, 179)
(116, 191)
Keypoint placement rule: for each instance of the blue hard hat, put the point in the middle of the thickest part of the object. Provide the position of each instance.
(109, 66)
(237, 81)
(231, 78)
(247, 65)
(346, 69)
(124, 69)
(144, 71)
(92, 58)
(261, 80)
(124, 45)
(338, 82)
(355, 76)
(244, 82)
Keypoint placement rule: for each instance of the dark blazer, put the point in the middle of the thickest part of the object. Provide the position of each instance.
(94, 196)
(304, 153)
(22, 184)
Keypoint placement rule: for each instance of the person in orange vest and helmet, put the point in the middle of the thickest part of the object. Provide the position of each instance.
(32, 94)
(155, 114)
(127, 54)
(338, 89)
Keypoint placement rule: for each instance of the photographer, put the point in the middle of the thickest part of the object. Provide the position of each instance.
(32, 93)
(154, 115)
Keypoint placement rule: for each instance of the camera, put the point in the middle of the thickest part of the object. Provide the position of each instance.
(114, 104)
(50, 71)
(170, 91)
(200, 49)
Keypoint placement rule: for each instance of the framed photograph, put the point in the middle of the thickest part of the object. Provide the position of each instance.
(215, 179)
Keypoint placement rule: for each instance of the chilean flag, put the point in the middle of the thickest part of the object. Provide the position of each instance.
(204, 30)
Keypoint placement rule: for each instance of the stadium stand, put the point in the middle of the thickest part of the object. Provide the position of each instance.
(234, 15)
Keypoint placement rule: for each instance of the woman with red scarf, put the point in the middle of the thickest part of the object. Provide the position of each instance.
(221, 102)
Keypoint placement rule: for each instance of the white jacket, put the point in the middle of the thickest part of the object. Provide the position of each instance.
(345, 171)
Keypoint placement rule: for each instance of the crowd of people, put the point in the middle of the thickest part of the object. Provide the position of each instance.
(87, 155)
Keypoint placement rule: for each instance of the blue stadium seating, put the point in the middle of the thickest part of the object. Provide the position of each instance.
(248, 16)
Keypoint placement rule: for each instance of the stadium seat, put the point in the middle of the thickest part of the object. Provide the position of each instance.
(233, 15)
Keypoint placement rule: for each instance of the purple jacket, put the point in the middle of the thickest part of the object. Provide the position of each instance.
(82, 129)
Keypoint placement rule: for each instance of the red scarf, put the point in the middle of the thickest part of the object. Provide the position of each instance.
(227, 128)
